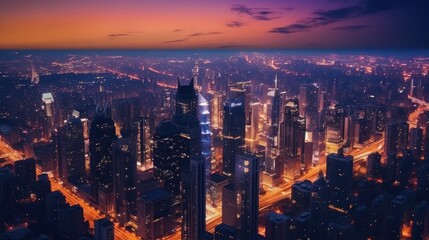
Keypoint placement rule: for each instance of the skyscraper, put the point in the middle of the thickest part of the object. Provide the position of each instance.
(124, 112)
(186, 99)
(339, 174)
(71, 222)
(274, 117)
(334, 121)
(276, 226)
(396, 138)
(233, 133)
(54, 202)
(142, 142)
(308, 104)
(25, 173)
(416, 140)
(247, 193)
(373, 165)
(104, 229)
(71, 151)
(101, 136)
(193, 199)
(125, 179)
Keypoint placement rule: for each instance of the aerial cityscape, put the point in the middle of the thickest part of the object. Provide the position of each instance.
(214, 120)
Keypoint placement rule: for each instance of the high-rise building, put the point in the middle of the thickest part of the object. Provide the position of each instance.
(301, 195)
(338, 231)
(7, 187)
(420, 228)
(276, 226)
(226, 232)
(25, 173)
(319, 207)
(396, 138)
(154, 214)
(252, 129)
(334, 124)
(308, 104)
(273, 134)
(142, 142)
(416, 141)
(104, 229)
(339, 174)
(247, 193)
(186, 99)
(423, 180)
(124, 112)
(373, 165)
(54, 202)
(206, 134)
(43, 186)
(71, 151)
(292, 138)
(175, 142)
(101, 137)
(71, 222)
(193, 199)
(229, 205)
(125, 179)
(233, 133)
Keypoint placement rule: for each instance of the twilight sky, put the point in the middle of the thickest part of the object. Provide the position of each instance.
(223, 24)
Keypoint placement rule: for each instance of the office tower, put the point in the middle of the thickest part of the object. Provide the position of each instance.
(206, 134)
(71, 222)
(302, 225)
(193, 199)
(43, 186)
(292, 139)
(373, 165)
(308, 104)
(166, 161)
(229, 205)
(426, 140)
(416, 139)
(334, 127)
(195, 74)
(252, 129)
(71, 151)
(25, 173)
(339, 174)
(101, 136)
(186, 99)
(124, 112)
(380, 208)
(7, 187)
(423, 180)
(125, 179)
(301, 195)
(319, 207)
(216, 110)
(142, 142)
(154, 214)
(48, 100)
(247, 192)
(396, 138)
(276, 226)
(391, 168)
(401, 212)
(226, 232)
(420, 228)
(233, 133)
(338, 231)
(104, 229)
(54, 202)
(175, 142)
(273, 134)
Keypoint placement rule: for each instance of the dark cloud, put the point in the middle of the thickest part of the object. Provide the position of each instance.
(235, 24)
(177, 40)
(325, 17)
(117, 35)
(177, 30)
(261, 14)
(198, 34)
(286, 9)
(351, 28)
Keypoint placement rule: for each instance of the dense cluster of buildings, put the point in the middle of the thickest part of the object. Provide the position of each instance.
(207, 151)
